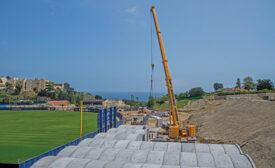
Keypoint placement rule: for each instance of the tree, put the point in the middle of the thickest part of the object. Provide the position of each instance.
(1, 80)
(248, 83)
(62, 96)
(8, 77)
(265, 84)
(8, 85)
(218, 86)
(183, 95)
(151, 102)
(67, 88)
(196, 92)
(238, 83)
(35, 89)
(43, 93)
(52, 95)
(162, 99)
(98, 97)
(50, 86)
(18, 89)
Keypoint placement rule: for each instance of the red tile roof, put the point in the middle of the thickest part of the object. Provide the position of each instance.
(60, 103)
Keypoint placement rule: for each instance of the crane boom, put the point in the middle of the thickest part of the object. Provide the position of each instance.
(173, 115)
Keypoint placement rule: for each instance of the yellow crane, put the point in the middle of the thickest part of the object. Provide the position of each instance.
(175, 129)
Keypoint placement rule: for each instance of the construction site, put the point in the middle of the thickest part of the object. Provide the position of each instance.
(228, 128)
(213, 132)
(246, 120)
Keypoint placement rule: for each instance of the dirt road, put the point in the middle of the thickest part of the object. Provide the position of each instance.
(249, 123)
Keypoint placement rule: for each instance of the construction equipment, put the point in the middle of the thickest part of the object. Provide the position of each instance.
(134, 121)
(175, 129)
(143, 110)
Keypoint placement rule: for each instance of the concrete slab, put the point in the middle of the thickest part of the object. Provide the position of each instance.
(176, 147)
(121, 136)
(205, 160)
(148, 165)
(134, 145)
(122, 144)
(114, 164)
(132, 137)
(100, 136)
(188, 147)
(94, 154)
(67, 151)
(241, 161)
(216, 148)
(202, 148)
(168, 166)
(232, 148)
(79, 163)
(140, 156)
(112, 131)
(160, 146)
(124, 155)
(109, 143)
(96, 164)
(61, 162)
(85, 142)
(147, 146)
(155, 157)
(110, 136)
(132, 165)
(96, 143)
(188, 159)
(222, 161)
(171, 158)
(112, 149)
(81, 152)
(109, 154)
(44, 162)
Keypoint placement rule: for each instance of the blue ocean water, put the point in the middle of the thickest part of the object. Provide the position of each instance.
(140, 96)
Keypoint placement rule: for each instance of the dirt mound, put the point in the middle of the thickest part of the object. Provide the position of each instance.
(200, 104)
(249, 123)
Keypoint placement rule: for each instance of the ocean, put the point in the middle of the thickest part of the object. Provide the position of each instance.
(140, 96)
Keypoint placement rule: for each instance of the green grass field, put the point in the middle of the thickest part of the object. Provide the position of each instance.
(165, 106)
(25, 134)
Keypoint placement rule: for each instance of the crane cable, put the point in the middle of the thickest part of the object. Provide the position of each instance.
(152, 60)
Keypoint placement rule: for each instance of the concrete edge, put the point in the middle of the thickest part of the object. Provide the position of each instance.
(239, 148)
(250, 160)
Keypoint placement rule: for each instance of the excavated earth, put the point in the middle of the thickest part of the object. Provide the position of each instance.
(249, 123)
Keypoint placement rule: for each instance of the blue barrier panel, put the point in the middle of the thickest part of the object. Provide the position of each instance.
(105, 120)
(111, 117)
(115, 115)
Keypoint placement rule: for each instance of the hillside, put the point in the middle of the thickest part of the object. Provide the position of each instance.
(249, 123)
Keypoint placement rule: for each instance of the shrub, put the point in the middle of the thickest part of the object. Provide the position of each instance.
(196, 92)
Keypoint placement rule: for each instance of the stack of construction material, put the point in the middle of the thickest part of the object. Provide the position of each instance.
(123, 148)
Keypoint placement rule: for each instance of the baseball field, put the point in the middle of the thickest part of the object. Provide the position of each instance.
(25, 134)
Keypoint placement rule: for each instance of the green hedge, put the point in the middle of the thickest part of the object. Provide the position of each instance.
(191, 98)
(246, 92)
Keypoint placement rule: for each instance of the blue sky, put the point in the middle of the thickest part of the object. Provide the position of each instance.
(105, 45)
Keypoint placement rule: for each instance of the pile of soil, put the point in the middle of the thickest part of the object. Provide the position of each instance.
(249, 123)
